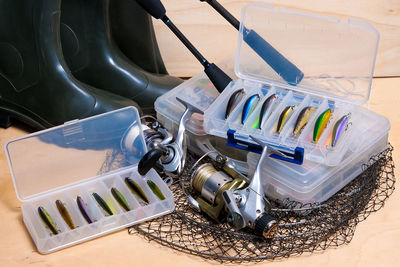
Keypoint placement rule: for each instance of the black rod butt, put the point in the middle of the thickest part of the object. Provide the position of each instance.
(219, 78)
(154, 7)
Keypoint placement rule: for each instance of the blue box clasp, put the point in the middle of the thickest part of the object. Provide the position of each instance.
(296, 157)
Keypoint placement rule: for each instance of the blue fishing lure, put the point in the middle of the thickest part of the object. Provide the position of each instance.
(249, 106)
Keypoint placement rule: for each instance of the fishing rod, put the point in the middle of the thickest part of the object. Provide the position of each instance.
(287, 70)
(156, 9)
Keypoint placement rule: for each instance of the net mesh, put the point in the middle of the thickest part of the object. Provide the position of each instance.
(302, 228)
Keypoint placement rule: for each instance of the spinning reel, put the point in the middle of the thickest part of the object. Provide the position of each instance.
(227, 195)
(165, 153)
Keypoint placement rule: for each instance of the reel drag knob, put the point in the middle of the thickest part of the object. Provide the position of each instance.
(266, 226)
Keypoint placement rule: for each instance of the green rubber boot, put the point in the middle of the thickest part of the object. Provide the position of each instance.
(132, 29)
(36, 85)
(94, 58)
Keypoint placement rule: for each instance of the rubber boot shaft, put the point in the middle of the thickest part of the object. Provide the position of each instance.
(94, 58)
(36, 85)
(133, 31)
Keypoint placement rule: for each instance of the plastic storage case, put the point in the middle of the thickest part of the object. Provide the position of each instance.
(307, 183)
(77, 159)
(337, 59)
(312, 181)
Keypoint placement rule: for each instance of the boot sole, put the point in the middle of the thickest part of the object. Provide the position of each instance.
(9, 112)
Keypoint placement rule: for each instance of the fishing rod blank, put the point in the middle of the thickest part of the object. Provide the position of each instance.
(156, 9)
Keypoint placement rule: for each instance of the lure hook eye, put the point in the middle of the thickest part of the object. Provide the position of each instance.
(168, 181)
(347, 126)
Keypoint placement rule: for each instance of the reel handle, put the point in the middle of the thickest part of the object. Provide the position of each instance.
(149, 160)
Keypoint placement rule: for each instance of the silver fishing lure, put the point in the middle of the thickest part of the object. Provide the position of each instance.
(265, 109)
(233, 101)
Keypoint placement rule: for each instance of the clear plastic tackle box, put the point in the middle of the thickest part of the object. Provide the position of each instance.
(80, 158)
(337, 58)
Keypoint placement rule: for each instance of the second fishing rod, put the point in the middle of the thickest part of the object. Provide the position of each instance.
(278, 62)
(219, 78)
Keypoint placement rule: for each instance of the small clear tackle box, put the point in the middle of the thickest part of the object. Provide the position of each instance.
(337, 58)
(73, 180)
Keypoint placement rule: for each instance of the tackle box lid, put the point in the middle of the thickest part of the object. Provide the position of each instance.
(74, 152)
(336, 56)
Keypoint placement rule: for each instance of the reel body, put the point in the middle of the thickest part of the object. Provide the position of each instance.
(228, 196)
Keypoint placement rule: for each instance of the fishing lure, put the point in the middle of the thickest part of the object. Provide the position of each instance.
(65, 214)
(82, 207)
(249, 106)
(120, 199)
(102, 203)
(339, 128)
(302, 119)
(136, 189)
(285, 115)
(155, 189)
(233, 101)
(265, 108)
(321, 123)
(47, 220)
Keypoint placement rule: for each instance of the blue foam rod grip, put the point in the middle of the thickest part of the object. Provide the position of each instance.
(287, 70)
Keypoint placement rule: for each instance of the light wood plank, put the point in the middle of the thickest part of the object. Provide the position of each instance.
(216, 39)
(376, 240)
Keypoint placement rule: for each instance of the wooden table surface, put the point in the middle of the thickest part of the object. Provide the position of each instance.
(376, 241)
(197, 21)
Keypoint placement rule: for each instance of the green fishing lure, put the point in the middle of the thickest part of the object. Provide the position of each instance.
(102, 203)
(65, 214)
(321, 123)
(136, 190)
(48, 221)
(120, 199)
(155, 189)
